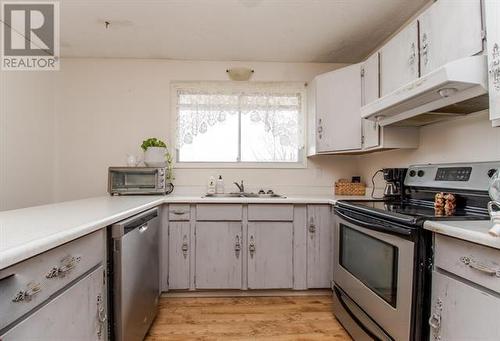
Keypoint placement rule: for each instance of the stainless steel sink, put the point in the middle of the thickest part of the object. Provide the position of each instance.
(243, 195)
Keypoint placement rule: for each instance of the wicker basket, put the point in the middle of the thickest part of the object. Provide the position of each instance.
(344, 187)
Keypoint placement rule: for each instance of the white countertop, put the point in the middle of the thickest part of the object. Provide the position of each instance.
(27, 232)
(475, 231)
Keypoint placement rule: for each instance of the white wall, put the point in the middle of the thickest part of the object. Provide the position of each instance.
(26, 138)
(106, 107)
(466, 139)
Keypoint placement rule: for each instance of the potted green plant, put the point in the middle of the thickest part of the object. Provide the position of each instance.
(156, 155)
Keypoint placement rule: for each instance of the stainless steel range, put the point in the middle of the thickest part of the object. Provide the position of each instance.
(383, 255)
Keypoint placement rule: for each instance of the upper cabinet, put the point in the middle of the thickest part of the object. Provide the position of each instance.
(399, 60)
(369, 93)
(492, 12)
(449, 30)
(337, 104)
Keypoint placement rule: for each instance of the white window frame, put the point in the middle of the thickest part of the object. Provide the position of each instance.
(299, 87)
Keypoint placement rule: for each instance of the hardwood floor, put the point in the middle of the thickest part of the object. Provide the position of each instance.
(247, 318)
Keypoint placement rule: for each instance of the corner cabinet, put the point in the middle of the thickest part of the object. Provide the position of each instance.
(337, 104)
(492, 13)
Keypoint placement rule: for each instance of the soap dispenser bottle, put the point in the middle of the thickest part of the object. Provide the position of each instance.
(211, 185)
(219, 187)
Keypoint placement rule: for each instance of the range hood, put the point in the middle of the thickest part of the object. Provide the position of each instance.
(457, 88)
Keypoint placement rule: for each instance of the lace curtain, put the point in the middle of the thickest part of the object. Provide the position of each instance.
(277, 107)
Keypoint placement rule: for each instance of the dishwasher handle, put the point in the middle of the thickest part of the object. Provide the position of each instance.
(139, 221)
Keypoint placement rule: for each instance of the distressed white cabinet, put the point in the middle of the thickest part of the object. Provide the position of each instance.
(319, 246)
(77, 313)
(460, 311)
(370, 93)
(492, 13)
(449, 30)
(399, 60)
(324, 118)
(270, 255)
(338, 103)
(179, 254)
(218, 255)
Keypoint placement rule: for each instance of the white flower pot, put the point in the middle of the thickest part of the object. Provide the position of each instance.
(155, 157)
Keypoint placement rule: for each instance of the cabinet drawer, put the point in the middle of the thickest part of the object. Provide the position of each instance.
(179, 212)
(26, 285)
(476, 263)
(273, 212)
(228, 212)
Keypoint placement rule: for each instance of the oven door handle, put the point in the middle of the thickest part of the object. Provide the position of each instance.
(392, 229)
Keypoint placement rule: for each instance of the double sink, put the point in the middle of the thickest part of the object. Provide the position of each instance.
(244, 195)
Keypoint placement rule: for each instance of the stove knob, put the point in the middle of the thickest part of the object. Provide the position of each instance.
(491, 172)
(262, 191)
(413, 173)
(420, 173)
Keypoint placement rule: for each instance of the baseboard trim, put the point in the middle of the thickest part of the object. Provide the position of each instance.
(246, 293)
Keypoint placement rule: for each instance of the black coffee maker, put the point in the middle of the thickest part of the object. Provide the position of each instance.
(394, 186)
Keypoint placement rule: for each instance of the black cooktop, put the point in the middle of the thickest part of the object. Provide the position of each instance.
(412, 211)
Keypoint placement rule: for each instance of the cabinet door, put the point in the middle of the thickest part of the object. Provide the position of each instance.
(399, 60)
(319, 246)
(370, 79)
(72, 315)
(449, 30)
(218, 255)
(492, 12)
(179, 251)
(462, 312)
(270, 255)
(324, 105)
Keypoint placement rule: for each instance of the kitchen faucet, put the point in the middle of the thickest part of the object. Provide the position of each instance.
(240, 187)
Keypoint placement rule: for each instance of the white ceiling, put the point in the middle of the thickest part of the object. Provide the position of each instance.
(252, 30)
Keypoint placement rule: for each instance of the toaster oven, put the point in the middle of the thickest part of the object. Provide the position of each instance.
(138, 180)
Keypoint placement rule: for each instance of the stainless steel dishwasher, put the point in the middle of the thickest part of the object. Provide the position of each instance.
(136, 287)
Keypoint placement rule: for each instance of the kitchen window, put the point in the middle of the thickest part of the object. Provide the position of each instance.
(252, 124)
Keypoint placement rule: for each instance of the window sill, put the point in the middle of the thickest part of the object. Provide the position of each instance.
(236, 165)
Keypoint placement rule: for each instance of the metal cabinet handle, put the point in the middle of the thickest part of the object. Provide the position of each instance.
(185, 247)
(425, 48)
(101, 316)
(28, 294)
(178, 212)
(413, 54)
(143, 228)
(237, 247)
(435, 319)
(312, 227)
(480, 266)
(494, 67)
(68, 264)
(251, 247)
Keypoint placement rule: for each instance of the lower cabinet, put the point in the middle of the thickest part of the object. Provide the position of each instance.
(319, 246)
(270, 255)
(78, 313)
(218, 255)
(179, 251)
(454, 311)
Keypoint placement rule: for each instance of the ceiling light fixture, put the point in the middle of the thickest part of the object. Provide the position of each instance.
(240, 73)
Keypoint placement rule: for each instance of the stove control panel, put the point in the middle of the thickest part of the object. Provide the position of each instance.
(453, 174)
(470, 176)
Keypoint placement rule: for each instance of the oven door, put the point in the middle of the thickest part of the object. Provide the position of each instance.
(375, 269)
(139, 180)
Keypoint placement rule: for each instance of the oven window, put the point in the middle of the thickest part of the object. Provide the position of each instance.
(370, 260)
